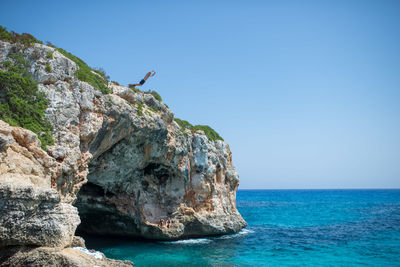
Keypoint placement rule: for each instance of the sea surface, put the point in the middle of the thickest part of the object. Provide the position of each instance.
(286, 228)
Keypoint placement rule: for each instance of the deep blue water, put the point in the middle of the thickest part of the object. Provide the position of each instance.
(287, 228)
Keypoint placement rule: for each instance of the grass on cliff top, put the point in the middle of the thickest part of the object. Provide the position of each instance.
(21, 103)
(25, 39)
(98, 79)
(155, 94)
(210, 132)
(95, 77)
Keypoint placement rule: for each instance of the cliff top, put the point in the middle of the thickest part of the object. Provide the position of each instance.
(25, 105)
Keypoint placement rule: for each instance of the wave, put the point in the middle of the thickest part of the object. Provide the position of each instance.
(242, 232)
(195, 241)
(190, 241)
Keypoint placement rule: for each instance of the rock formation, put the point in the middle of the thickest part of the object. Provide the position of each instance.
(36, 227)
(31, 211)
(54, 257)
(120, 158)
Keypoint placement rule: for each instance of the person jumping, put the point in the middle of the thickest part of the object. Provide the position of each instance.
(149, 74)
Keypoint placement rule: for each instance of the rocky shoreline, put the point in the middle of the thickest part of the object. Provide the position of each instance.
(119, 164)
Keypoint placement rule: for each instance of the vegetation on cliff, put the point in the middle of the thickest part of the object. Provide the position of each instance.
(21, 103)
(96, 77)
(140, 109)
(210, 132)
(25, 39)
(155, 94)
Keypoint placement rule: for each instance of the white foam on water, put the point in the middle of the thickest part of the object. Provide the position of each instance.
(242, 232)
(190, 241)
(195, 241)
(245, 232)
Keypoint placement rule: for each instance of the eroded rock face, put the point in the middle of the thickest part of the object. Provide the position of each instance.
(130, 162)
(189, 179)
(155, 171)
(31, 212)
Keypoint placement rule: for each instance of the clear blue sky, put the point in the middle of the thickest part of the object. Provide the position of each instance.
(307, 93)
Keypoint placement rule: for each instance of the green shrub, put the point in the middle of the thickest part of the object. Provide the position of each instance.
(85, 74)
(155, 94)
(5, 35)
(149, 113)
(25, 39)
(114, 82)
(140, 109)
(102, 73)
(48, 67)
(21, 104)
(183, 124)
(210, 132)
(49, 55)
(48, 43)
(6, 64)
(20, 65)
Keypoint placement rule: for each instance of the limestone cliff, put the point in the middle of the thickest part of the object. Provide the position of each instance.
(36, 226)
(120, 158)
(31, 211)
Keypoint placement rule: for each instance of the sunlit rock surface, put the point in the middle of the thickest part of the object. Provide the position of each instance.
(31, 212)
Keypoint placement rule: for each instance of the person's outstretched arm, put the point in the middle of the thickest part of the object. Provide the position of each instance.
(147, 75)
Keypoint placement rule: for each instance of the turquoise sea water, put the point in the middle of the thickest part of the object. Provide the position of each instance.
(286, 228)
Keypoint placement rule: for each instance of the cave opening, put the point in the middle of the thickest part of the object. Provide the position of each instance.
(159, 171)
